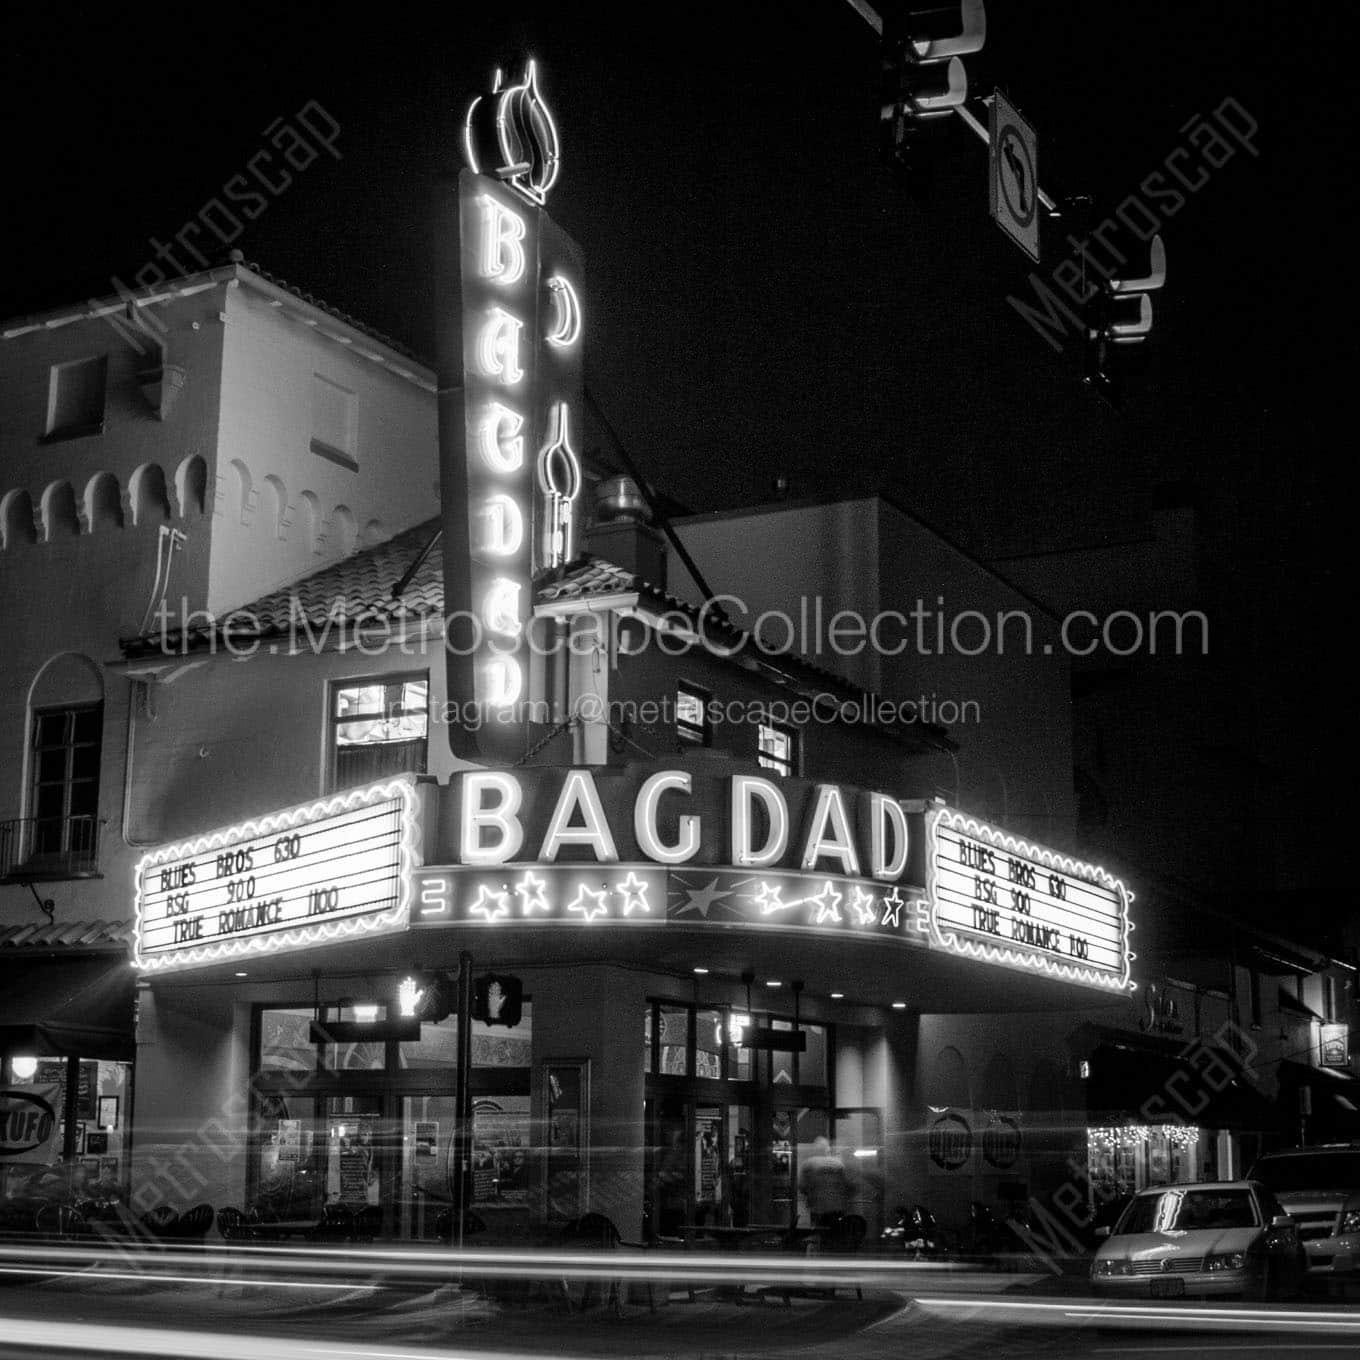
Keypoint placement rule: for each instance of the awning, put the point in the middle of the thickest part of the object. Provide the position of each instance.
(1198, 1085)
(68, 1041)
(53, 1005)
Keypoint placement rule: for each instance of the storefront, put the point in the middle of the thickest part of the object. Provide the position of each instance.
(717, 969)
(66, 1048)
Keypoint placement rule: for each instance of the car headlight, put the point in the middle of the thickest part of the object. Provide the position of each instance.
(1108, 1265)
(1228, 1260)
(1350, 1221)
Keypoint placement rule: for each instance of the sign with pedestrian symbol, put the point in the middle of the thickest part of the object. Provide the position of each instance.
(1013, 188)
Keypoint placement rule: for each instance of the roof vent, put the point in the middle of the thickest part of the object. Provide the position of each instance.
(618, 499)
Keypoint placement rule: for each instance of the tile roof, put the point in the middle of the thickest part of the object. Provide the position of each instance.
(359, 589)
(338, 313)
(66, 935)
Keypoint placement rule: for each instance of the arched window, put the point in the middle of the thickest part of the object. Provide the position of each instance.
(310, 508)
(344, 531)
(191, 486)
(150, 500)
(59, 512)
(275, 507)
(60, 834)
(103, 502)
(16, 518)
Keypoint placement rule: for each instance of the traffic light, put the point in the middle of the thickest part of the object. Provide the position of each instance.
(1119, 321)
(497, 999)
(923, 78)
(430, 998)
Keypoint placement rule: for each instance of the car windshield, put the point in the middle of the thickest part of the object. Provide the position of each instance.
(1309, 1171)
(1185, 1209)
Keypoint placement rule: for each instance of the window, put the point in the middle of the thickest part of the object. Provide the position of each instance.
(777, 748)
(691, 715)
(64, 794)
(333, 422)
(378, 728)
(75, 398)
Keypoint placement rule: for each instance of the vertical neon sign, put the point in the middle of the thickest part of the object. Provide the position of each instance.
(511, 475)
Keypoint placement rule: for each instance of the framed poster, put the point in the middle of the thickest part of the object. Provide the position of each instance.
(108, 1112)
(566, 1098)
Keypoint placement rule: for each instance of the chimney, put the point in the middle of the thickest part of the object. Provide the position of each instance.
(621, 531)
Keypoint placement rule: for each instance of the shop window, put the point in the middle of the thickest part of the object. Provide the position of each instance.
(812, 1060)
(673, 1032)
(379, 728)
(286, 1040)
(63, 805)
(777, 748)
(75, 398)
(83, 1154)
(708, 1044)
(781, 1064)
(334, 422)
(691, 715)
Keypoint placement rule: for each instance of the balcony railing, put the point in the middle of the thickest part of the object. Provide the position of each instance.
(37, 848)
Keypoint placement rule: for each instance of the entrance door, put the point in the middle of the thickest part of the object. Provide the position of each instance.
(857, 1134)
(427, 1166)
(358, 1174)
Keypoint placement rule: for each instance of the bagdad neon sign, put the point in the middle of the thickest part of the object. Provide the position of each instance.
(588, 847)
(510, 466)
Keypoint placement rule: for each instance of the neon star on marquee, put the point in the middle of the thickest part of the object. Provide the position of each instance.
(491, 903)
(532, 892)
(588, 910)
(634, 893)
(828, 904)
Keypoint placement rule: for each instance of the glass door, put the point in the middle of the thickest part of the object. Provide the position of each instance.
(357, 1174)
(425, 1203)
(857, 1135)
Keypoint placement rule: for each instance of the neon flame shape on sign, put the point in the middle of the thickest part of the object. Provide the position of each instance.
(499, 440)
(566, 329)
(498, 347)
(503, 258)
(559, 478)
(519, 131)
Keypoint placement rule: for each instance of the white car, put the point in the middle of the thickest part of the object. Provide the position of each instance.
(1208, 1238)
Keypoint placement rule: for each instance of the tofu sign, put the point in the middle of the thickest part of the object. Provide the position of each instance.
(299, 877)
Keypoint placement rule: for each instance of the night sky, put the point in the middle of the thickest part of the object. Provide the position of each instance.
(763, 297)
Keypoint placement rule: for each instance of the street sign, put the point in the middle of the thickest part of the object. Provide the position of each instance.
(1013, 186)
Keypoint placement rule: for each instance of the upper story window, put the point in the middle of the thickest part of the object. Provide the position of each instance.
(75, 398)
(777, 748)
(379, 727)
(334, 423)
(63, 804)
(691, 715)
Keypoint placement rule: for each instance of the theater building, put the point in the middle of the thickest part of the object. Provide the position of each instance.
(751, 897)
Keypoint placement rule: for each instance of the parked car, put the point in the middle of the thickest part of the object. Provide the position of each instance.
(1319, 1188)
(1215, 1237)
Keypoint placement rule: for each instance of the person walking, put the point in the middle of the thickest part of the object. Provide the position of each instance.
(825, 1185)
